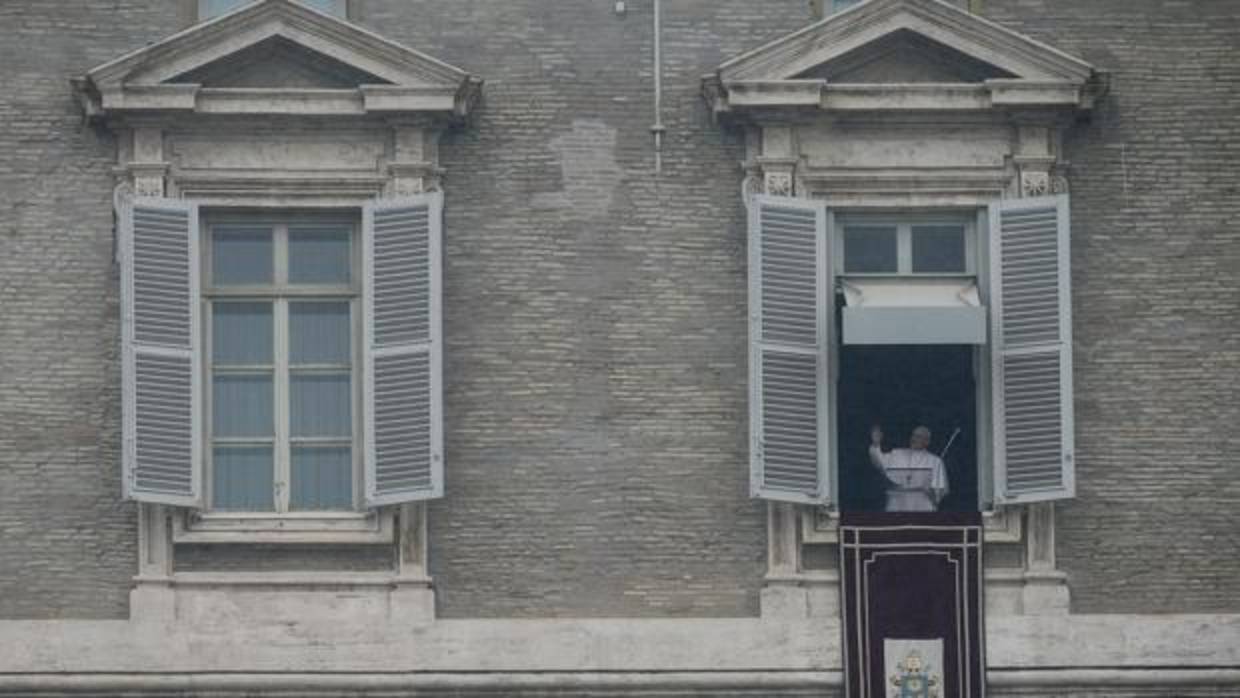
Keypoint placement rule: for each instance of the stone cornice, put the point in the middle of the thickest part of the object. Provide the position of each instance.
(818, 94)
(765, 78)
(843, 32)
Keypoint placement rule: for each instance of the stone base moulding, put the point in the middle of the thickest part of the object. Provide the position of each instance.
(333, 653)
(224, 601)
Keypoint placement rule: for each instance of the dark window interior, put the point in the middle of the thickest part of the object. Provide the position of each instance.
(900, 387)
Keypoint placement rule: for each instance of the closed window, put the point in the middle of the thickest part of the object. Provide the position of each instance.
(282, 364)
(281, 301)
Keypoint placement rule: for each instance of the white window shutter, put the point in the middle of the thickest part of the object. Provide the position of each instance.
(161, 369)
(403, 349)
(789, 453)
(1031, 349)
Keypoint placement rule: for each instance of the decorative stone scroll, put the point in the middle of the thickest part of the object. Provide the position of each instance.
(1037, 183)
(779, 183)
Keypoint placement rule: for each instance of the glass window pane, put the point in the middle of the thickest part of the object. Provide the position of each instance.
(870, 248)
(242, 478)
(320, 404)
(240, 255)
(240, 333)
(241, 404)
(938, 248)
(319, 332)
(322, 478)
(318, 256)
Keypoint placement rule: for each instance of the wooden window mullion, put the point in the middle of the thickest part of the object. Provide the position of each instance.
(282, 406)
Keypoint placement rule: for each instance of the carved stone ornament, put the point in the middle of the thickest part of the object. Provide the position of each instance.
(779, 183)
(148, 186)
(407, 186)
(751, 185)
(122, 194)
(1035, 184)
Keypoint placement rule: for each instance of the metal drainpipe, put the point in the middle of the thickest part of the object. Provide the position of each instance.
(657, 129)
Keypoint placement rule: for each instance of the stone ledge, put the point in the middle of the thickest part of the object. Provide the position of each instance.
(1130, 683)
(333, 643)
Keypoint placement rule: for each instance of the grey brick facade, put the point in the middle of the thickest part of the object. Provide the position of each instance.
(595, 313)
(1156, 282)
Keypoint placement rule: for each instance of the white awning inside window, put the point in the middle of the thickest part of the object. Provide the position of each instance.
(913, 311)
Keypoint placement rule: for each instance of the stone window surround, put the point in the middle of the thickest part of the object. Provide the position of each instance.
(277, 149)
(777, 163)
(144, 151)
(904, 144)
(143, 167)
(147, 163)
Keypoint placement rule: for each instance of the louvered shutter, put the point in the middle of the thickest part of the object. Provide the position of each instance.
(1031, 341)
(788, 333)
(162, 429)
(403, 349)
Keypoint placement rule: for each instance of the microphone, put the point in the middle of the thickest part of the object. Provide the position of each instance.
(949, 442)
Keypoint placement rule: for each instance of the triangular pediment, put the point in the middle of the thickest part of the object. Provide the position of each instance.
(904, 56)
(884, 55)
(279, 56)
(278, 62)
(924, 25)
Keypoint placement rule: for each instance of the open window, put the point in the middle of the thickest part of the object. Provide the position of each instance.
(912, 340)
(994, 361)
(908, 259)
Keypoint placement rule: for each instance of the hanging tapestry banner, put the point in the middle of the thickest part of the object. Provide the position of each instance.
(911, 586)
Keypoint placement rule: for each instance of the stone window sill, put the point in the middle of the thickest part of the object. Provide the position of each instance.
(319, 527)
(1000, 525)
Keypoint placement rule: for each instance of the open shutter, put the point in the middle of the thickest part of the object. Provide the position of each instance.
(788, 315)
(403, 349)
(162, 429)
(1031, 335)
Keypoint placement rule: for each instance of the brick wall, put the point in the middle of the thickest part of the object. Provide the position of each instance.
(1156, 276)
(595, 315)
(67, 541)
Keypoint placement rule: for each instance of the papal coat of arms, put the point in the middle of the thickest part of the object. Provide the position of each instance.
(913, 679)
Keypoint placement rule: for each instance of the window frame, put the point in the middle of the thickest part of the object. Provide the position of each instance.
(904, 222)
(976, 221)
(280, 294)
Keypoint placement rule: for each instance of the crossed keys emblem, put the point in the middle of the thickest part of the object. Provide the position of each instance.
(913, 679)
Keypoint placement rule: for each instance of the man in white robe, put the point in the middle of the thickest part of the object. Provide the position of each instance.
(916, 478)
